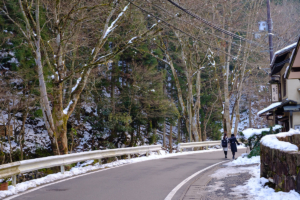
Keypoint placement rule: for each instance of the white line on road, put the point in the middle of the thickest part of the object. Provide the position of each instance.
(173, 192)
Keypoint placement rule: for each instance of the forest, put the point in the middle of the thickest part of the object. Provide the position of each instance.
(80, 75)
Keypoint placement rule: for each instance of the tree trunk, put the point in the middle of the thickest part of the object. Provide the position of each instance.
(237, 117)
(179, 130)
(250, 111)
(170, 139)
(197, 131)
(164, 135)
(155, 133)
(22, 132)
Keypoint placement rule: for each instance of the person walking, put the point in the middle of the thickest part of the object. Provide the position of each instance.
(224, 144)
(233, 142)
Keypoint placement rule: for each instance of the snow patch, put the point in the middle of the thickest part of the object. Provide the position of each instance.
(244, 161)
(249, 132)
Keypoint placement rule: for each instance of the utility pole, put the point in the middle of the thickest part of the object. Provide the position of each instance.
(270, 31)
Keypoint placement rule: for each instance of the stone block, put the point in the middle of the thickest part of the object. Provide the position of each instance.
(289, 184)
(291, 163)
(283, 167)
(298, 183)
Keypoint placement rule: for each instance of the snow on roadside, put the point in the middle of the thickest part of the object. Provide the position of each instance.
(224, 172)
(244, 161)
(273, 142)
(82, 168)
(255, 186)
(256, 189)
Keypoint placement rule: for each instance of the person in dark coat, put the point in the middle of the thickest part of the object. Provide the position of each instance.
(224, 144)
(233, 143)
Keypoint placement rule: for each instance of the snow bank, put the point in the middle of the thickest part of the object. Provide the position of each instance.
(273, 105)
(272, 141)
(244, 161)
(255, 186)
(256, 190)
(249, 132)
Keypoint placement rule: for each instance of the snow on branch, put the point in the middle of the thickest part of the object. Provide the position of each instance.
(78, 81)
(66, 110)
(113, 26)
(132, 39)
(103, 57)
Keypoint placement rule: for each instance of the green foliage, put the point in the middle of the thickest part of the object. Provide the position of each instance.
(152, 139)
(38, 113)
(74, 131)
(253, 142)
(42, 152)
(255, 151)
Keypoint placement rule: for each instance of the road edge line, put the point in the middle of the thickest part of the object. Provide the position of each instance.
(173, 192)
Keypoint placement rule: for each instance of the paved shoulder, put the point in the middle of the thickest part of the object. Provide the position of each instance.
(149, 180)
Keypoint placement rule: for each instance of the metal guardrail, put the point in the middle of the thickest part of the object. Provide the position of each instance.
(12, 169)
(182, 146)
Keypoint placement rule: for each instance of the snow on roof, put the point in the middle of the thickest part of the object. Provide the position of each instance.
(249, 132)
(273, 105)
(283, 50)
(286, 48)
(273, 142)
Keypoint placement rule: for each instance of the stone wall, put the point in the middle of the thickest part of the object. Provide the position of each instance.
(282, 168)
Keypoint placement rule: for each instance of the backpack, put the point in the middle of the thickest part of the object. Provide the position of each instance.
(224, 143)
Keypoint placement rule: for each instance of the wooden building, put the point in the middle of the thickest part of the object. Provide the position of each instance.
(285, 87)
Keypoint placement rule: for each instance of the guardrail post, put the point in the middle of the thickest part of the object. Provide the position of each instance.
(62, 169)
(147, 154)
(180, 150)
(206, 147)
(14, 180)
(158, 152)
(128, 156)
(100, 161)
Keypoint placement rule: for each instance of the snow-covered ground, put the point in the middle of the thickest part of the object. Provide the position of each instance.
(254, 187)
(87, 167)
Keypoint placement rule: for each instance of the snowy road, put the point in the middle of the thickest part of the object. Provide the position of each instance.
(149, 180)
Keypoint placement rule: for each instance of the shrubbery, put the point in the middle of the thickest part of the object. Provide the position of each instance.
(253, 142)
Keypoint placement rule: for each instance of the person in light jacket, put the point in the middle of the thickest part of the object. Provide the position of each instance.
(233, 142)
(224, 144)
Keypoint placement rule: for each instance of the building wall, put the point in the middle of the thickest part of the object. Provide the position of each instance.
(291, 90)
(296, 119)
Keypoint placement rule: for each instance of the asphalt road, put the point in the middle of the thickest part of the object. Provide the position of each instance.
(148, 180)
